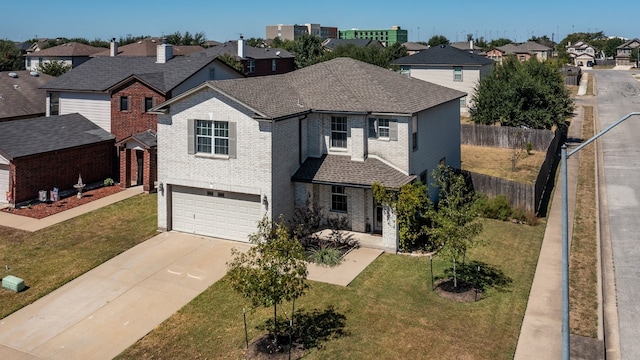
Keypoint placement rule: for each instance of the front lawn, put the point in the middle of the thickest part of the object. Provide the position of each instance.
(51, 257)
(388, 312)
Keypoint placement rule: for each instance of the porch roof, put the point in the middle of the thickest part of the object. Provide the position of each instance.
(341, 170)
(148, 139)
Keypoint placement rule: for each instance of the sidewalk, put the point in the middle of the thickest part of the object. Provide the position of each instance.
(541, 332)
(30, 224)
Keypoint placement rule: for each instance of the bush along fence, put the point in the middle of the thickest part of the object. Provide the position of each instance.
(528, 196)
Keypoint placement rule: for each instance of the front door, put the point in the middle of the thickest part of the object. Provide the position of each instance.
(377, 222)
(140, 161)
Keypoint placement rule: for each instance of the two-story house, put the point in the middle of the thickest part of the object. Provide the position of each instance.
(447, 66)
(623, 52)
(232, 151)
(581, 53)
(522, 52)
(72, 54)
(117, 92)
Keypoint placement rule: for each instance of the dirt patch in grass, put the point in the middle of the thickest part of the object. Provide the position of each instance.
(497, 162)
(463, 292)
(583, 274)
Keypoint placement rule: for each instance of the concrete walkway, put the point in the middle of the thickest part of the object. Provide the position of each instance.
(30, 224)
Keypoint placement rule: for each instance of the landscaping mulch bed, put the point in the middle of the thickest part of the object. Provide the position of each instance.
(40, 210)
(464, 292)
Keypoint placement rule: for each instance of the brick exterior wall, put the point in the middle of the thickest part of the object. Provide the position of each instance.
(135, 120)
(60, 169)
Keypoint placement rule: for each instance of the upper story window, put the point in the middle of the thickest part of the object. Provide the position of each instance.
(124, 103)
(457, 73)
(273, 64)
(212, 74)
(212, 137)
(414, 133)
(148, 103)
(251, 66)
(54, 103)
(383, 128)
(28, 63)
(339, 132)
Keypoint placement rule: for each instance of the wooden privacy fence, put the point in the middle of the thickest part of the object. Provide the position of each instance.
(524, 195)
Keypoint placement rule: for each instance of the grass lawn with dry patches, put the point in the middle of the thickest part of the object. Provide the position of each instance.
(497, 162)
(388, 312)
(51, 257)
(583, 293)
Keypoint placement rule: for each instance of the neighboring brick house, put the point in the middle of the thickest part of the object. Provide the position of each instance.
(623, 52)
(522, 52)
(256, 61)
(231, 151)
(116, 92)
(448, 66)
(21, 96)
(46, 152)
(71, 53)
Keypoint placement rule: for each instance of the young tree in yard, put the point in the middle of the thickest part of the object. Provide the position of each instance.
(454, 222)
(54, 67)
(272, 271)
(411, 205)
(307, 49)
(522, 94)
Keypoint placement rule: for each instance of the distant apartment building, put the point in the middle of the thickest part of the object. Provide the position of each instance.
(387, 37)
(293, 32)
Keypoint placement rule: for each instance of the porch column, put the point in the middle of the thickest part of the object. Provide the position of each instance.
(125, 167)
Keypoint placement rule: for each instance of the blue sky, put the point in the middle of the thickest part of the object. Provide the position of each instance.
(226, 20)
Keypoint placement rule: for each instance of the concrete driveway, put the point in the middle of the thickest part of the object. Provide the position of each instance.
(104, 311)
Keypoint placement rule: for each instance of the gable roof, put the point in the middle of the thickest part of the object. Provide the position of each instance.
(20, 138)
(250, 52)
(337, 85)
(67, 50)
(21, 96)
(102, 73)
(413, 46)
(147, 138)
(149, 47)
(629, 44)
(444, 55)
(340, 169)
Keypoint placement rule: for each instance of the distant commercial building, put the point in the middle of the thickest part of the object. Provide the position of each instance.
(293, 32)
(387, 37)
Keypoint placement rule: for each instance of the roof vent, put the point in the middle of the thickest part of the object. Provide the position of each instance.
(34, 73)
(13, 75)
(16, 87)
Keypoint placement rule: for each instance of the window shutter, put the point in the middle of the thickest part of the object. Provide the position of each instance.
(372, 128)
(191, 141)
(393, 130)
(232, 140)
(129, 103)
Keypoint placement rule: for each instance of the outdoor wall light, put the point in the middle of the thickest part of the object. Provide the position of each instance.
(265, 202)
(161, 189)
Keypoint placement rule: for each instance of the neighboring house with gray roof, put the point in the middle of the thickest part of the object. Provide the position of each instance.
(448, 66)
(232, 151)
(116, 93)
(522, 52)
(624, 51)
(51, 152)
(147, 47)
(71, 53)
(413, 47)
(332, 44)
(21, 96)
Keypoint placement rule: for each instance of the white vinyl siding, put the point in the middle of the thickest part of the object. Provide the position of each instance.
(215, 213)
(95, 107)
(4, 179)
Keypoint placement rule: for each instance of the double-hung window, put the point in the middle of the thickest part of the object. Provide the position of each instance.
(212, 137)
(338, 198)
(383, 128)
(457, 73)
(251, 66)
(339, 132)
(124, 103)
(148, 103)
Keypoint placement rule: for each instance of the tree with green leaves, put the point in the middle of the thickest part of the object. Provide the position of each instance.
(611, 46)
(272, 271)
(436, 40)
(307, 50)
(411, 204)
(529, 93)
(232, 61)
(178, 38)
(499, 42)
(454, 222)
(543, 40)
(10, 57)
(255, 42)
(54, 67)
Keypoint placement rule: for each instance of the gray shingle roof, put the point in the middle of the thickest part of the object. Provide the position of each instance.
(444, 55)
(147, 138)
(231, 48)
(337, 169)
(20, 138)
(341, 84)
(22, 97)
(67, 49)
(149, 47)
(101, 73)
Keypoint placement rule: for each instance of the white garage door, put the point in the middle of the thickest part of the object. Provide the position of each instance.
(220, 214)
(4, 182)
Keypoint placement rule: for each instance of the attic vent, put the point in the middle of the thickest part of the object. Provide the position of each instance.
(13, 75)
(34, 73)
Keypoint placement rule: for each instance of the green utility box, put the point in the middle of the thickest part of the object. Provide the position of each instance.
(13, 283)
